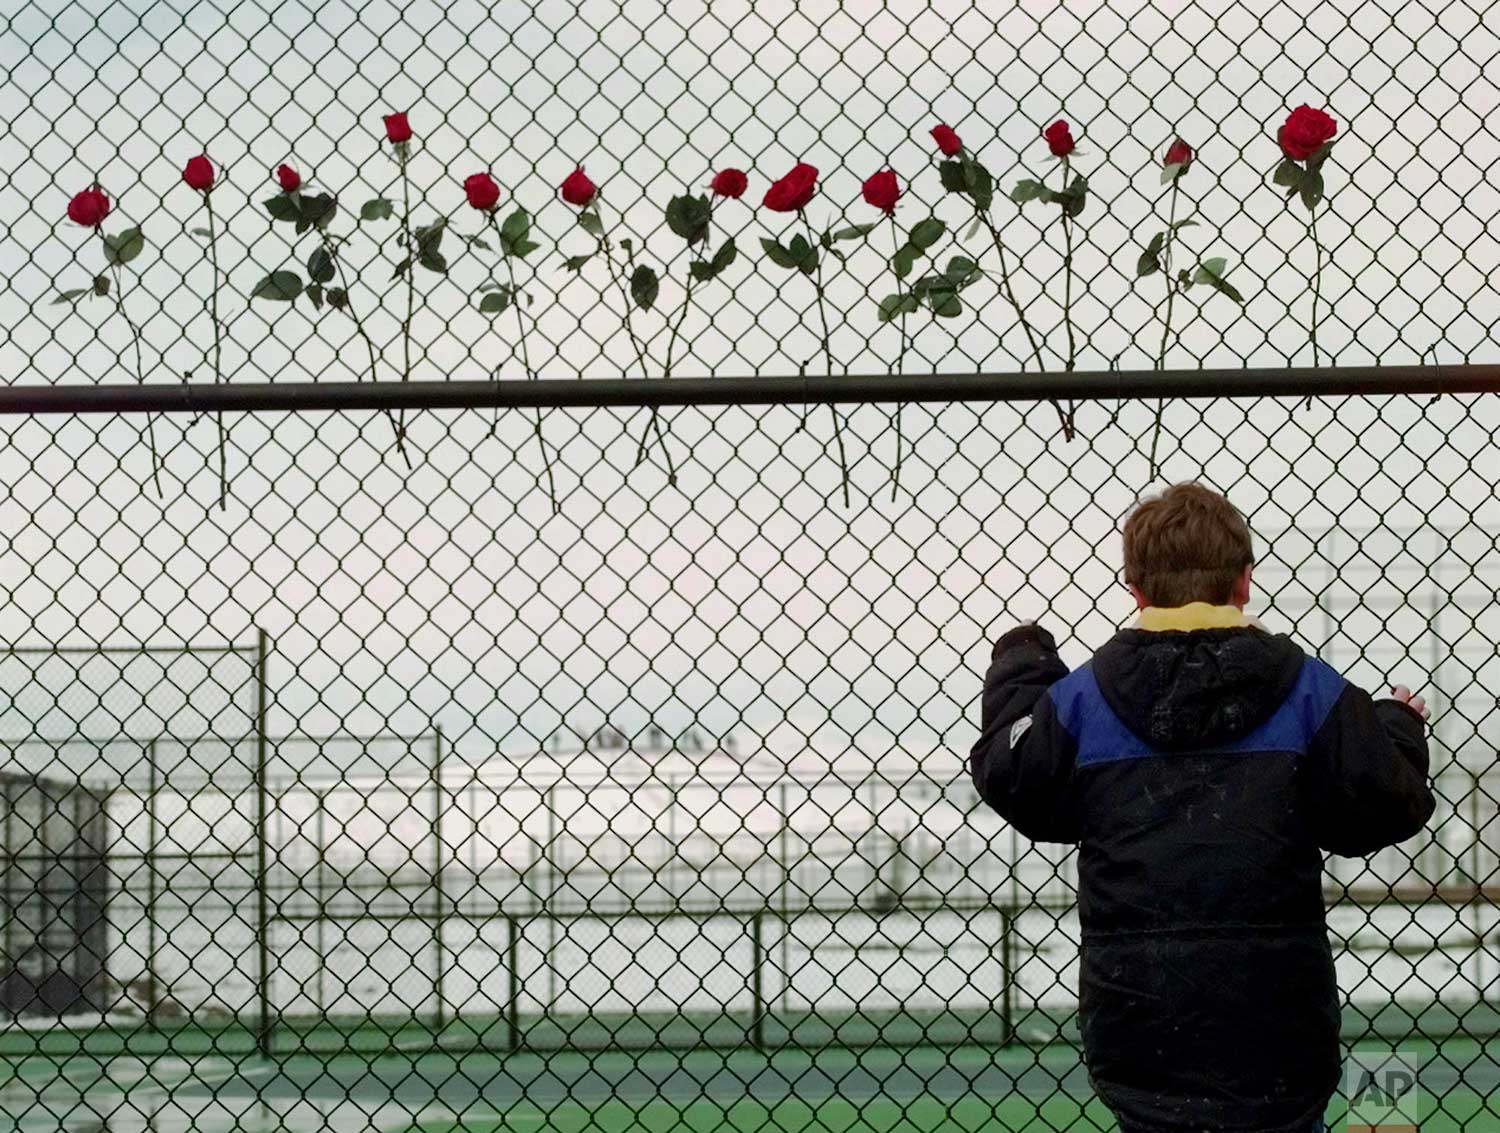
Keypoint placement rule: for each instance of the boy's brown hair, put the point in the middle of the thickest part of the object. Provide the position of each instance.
(1189, 544)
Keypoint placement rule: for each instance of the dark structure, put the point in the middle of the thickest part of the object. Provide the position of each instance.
(54, 887)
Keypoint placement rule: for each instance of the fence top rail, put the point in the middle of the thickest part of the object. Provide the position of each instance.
(199, 397)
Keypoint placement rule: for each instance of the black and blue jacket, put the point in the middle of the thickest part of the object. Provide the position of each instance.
(1201, 773)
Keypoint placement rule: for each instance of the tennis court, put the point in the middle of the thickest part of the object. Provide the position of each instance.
(215, 1083)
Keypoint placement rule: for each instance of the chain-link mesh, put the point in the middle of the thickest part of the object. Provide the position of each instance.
(653, 813)
(532, 778)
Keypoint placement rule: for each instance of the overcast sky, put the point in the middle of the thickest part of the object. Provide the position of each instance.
(748, 599)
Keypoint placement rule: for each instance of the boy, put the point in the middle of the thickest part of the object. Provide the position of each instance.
(1201, 764)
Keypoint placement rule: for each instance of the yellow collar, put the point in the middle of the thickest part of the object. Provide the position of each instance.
(1195, 615)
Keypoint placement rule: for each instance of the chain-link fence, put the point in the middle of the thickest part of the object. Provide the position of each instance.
(504, 754)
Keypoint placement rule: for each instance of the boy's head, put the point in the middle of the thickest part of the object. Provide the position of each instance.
(1188, 544)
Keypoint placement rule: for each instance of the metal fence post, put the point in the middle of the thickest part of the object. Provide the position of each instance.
(151, 880)
(264, 1038)
(1007, 976)
(757, 990)
(321, 800)
(437, 875)
(513, 992)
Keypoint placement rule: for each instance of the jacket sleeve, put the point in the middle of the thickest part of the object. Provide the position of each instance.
(1023, 761)
(1368, 775)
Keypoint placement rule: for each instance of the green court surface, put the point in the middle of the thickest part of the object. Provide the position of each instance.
(878, 1090)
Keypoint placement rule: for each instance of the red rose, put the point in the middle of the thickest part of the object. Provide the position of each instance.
(1179, 153)
(199, 173)
(947, 140)
(89, 208)
(1305, 132)
(397, 128)
(482, 191)
(794, 191)
(288, 178)
(730, 183)
(881, 191)
(1059, 138)
(577, 189)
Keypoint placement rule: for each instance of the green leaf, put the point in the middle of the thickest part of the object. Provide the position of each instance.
(1184, 224)
(1288, 174)
(1311, 190)
(945, 303)
(489, 285)
(952, 174)
(644, 286)
(575, 263)
(524, 248)
(315, 293)
(978, 183)
(376, 209)
(1211, 271)
(1148, 264)
(704, 271)
(962, 272)
(777, 254)
(926, 233)
(688, 217)
(589, 221)
(338, 298)
(283, 208)
(903, 261)
(282, 286)
(854, 232)
(1183, 277)
(429, 237)
(894, 306)
(1077, 195)
(433, 261)
(515, 226)
(495, 302)
(478, 242)
(201, 232)
(320, 266)
(71, 296)
(1028, 190)
(402, 268)
(1157, 243)
(317, 211)
(804, 255)
(124, 246)
(101, 284)
(1170, 173)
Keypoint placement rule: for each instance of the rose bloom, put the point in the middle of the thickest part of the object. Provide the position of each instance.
(881, 190)
(1179, 153)
(199, 173)
(730, 183)
(482, 191)
(947, 140)
(397, 128)
(89, 208)
(1059, 137)
(1305, 132)
(577, 189)
(288, 178)
(794, 191)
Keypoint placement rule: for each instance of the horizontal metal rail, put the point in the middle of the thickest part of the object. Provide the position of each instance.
(1096, 385)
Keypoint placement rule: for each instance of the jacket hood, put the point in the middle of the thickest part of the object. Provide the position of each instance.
(1196, 688)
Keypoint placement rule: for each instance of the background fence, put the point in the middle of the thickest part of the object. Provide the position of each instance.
(470, 779)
